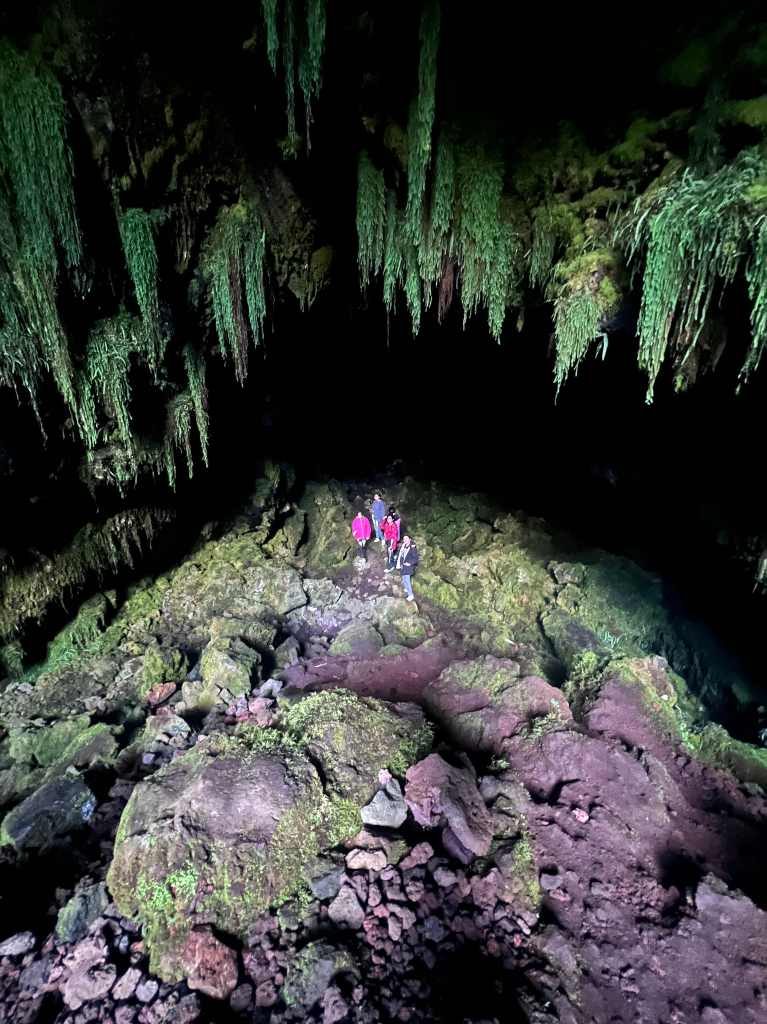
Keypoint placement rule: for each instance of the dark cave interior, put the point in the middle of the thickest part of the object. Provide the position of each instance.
(343, 390)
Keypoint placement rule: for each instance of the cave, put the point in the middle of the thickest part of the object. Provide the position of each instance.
(505, 269)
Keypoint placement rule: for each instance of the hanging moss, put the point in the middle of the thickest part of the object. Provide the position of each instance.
(137, 234)
(310, 61)
(435, 242)
(392, 255)
(269, 8)
(233, 260)
(37, 222)
(178, 435)
(95, 550)
(105, 379)
(35, 157)
(421, 121)
(195, 375)
(371, 214)
(695, 234)
(301, 43)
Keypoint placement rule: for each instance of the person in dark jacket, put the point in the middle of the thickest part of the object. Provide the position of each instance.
(407, 562)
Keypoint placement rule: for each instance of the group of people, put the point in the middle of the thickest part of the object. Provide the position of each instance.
(401, 552)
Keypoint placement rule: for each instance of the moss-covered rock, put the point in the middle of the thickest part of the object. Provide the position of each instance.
(357, 640)
(229, 664)
(231, 577)
(219, 835)
(483, 702)
(161, 665)
(44, 745)
(312, 970)
(353, 738)
(399, 622)
(715, 746)
(328, 538)
(76, 916)
(48, 815)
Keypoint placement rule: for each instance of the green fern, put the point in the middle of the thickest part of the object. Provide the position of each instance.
(195, 375)
(37, 221)
(371, 215)
(178, 435)
(302, 47)
(696, 234)
(94, 550)
(310, 60)
(233, 261)
(421, 121)
(137, 234)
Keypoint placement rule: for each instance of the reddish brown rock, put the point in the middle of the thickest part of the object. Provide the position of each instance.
(438, 794)
(160, 693)
(366, 860)
(420, 854)
(210, 966)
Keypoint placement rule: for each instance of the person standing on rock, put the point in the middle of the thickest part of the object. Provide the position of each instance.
(391, 540)
(361, 532)
(378, 514)
(407, 562)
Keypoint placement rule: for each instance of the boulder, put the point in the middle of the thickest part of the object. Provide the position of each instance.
(55, 809)
(229, 664)
(352, 738)
(220, 834)
(358, 640)
(441, 795)
(398, 621)
(483, 701)
(231, 577)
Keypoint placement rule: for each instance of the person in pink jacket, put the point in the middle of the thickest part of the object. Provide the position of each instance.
(361, 532)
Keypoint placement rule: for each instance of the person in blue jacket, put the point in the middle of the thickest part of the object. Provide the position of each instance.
(378, 514)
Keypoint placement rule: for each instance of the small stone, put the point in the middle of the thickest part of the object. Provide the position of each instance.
(18, 945)
(326, 886)
(414, 890)
(445, 878)
(241, 1000)
(420, 854)
(366, 860)
(160, 693)
(266, 995)
(210, 965)
(387, 809)
(346, 910)
(334, 1006)
(126, 986)
(580, 815)
(147, 990)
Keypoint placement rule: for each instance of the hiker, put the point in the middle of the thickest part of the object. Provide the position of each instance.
(391, 539)
(361, 532)
(407, 561)
(378, 514)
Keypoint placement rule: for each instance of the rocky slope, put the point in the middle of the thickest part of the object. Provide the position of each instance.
(271, 789)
